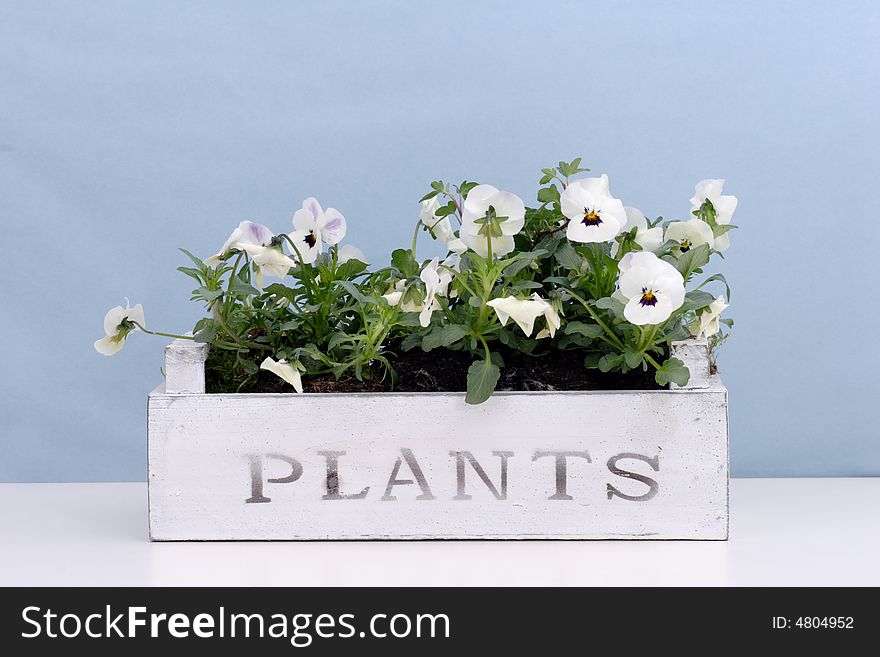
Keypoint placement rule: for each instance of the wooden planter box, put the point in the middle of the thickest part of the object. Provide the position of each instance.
(524, 465)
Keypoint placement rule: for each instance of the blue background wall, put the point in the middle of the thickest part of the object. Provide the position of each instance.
(129, 129)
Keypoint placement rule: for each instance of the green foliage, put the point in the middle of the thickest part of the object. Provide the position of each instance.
(340, 318)
(482, 377)
(672, 371)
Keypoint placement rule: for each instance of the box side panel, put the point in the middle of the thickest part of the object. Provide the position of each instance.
(607, 465)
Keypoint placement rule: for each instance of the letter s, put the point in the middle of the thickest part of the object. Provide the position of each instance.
(24, 617)
(652, 484)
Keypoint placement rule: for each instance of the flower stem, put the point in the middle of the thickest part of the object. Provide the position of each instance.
(653, 362)
(415, 238)
(164, 335)
(235, 337)
(599, 321)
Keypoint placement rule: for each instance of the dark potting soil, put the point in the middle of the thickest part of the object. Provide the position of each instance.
(446, 371)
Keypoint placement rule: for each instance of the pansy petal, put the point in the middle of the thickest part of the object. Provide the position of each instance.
(332, 226)
(108, 345)
(285, 371)
(351, 252)
(113, 319)
(136, 314)
(575, 198)
(255, 233)
(308, 243)
(510, 206)
(650, 239)
(634, 219)
(724, 209)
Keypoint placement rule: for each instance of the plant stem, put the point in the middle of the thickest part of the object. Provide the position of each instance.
(653, 362)
(236, 338)
(486, 349)
(457, 205)
(599, 321)
(415, 238)
(164, 335)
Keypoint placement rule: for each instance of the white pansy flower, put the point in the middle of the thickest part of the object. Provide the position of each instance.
(653, 288)
(428, 215)
(525, 311)
(708, 321)
(650, 239)
(248, 232)
(119, 322)
(488, 212)
(395, 294)
(725, 206)
(314, 226)
(436, 278)
(441, 227)
(269, 259)
(351, 252)
(284, 370)
(553, 321)
(690, 234)
(593, 214)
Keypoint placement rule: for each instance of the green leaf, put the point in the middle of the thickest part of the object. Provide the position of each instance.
(719, 229)
(241, 289)
(337, 339)
(672, 370)
(482, 377)
(581, 328)
(411, 320)
(411, 341)
(547, 177)
(282, 291)
(191, 272)
(443, 336)
(716, 277)
(206, 333)
(207, 295)
(609, 362)
(548, 194)
(446, 210)
(465, 187)
(632, 359)
(198, 261)
(353, 290)
(429, 196)
(248, 366)
(350, 269)
(694, 300)
(522, 260)
(612, 304)
(567, 256)
(678, 332)
(690, 260)
(403, 261)
(527, 285)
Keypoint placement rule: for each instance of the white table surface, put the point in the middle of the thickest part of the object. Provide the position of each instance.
(783, 532)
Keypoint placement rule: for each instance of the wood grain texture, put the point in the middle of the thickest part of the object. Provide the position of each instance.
(185, 366)
(695, 356)
(202, 451)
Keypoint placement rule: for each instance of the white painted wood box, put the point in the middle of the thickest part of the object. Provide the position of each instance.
(523, 465)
